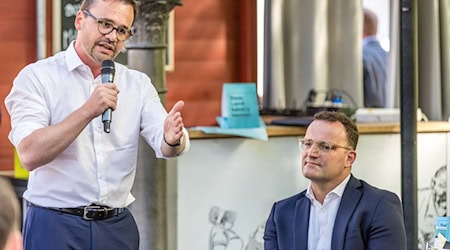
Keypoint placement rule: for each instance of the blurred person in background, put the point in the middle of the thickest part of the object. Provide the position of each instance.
(375, 63)
(10, 235)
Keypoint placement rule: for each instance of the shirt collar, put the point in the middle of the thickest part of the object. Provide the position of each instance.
(369, 39)
(73, 61)
(338, 190)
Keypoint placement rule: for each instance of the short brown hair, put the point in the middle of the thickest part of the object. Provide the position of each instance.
(87, 3)
(350, 126)
(9, 211)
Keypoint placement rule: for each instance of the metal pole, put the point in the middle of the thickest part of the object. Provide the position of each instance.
(408, 124)
(41, 28)
(146, 53)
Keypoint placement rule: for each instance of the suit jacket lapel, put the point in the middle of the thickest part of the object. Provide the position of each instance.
(301, 223)
(349, 201)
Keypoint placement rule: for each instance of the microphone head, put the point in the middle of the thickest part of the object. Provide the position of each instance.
(108, 67)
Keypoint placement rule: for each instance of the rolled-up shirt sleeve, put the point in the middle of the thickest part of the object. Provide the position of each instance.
(26, 105)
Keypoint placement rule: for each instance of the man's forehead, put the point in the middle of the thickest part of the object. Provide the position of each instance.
(116, 9)
(326, 129)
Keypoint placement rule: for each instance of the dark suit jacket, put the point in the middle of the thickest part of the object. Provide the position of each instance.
(367, 218)
(375, 63)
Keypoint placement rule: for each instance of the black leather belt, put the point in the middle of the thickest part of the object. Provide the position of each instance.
(91, 212)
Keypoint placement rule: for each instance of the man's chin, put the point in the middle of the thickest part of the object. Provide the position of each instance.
(310, 174)
(107, 56)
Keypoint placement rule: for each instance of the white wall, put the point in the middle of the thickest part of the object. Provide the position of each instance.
(246, 176)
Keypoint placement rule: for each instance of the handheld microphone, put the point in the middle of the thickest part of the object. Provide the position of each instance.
(107, 73)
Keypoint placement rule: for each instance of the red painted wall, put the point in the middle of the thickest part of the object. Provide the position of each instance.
(215, 43)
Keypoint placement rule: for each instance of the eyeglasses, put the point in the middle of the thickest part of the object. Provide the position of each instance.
(323, 146)
(105, 27)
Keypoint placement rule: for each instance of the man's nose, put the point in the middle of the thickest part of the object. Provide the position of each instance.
(112, 36)
(314, 149)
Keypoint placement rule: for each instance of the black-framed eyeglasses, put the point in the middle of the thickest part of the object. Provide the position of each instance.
(323, 146)
(105, 27)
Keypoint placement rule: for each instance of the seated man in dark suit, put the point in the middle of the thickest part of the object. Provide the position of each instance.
(336, 211)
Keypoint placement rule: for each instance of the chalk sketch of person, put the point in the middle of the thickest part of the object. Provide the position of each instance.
(222, 236)
(433, 203)
(256, 241)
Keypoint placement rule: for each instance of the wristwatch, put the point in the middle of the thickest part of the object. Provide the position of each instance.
(173, 145)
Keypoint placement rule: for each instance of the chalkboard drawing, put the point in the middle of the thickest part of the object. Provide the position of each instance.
(222, 236)
(255, 241)
(432, 203)
(69, 10)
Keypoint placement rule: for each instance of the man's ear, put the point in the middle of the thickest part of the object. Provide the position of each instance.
(78, 20)
(350, 159)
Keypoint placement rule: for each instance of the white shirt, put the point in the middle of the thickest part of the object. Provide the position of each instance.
(321, 217)
(97, 167)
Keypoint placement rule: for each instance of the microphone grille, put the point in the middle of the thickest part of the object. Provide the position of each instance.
(108, 67)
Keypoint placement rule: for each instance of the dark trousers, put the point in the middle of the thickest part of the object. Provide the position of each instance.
(46, 229)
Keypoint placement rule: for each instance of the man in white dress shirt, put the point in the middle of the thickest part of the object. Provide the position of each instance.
(80, 176)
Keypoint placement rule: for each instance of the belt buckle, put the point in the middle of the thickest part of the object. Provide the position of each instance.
(91, 212)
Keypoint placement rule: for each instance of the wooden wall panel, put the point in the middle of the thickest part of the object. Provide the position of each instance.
(206, 56)
(17, 49)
